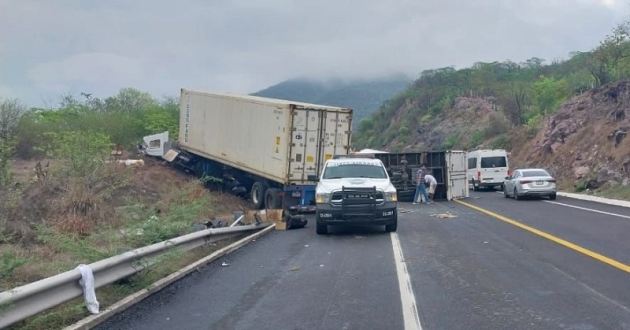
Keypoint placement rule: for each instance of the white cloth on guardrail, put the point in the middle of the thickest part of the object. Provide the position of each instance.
(87, 283)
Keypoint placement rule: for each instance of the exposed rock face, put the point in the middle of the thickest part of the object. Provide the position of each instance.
(462, 120)
(585, 141)
(581, 171)
(586, 138)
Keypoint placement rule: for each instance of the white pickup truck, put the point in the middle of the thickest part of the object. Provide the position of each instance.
(355, 190)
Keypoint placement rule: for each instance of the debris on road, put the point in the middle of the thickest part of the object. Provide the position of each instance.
(224, 264)
(444, 215)
(283, 222)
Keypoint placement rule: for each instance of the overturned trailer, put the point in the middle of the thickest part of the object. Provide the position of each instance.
(448, 168)
(260, 148)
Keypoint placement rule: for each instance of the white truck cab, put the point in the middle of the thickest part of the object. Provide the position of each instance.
(355, 190)
(487, 168)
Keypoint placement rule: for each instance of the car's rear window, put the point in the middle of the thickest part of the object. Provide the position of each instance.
(535, 173)
(490, 162)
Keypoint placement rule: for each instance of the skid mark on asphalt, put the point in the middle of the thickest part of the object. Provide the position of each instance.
(577, 248)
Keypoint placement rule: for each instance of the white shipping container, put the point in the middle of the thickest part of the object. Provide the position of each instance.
(280, 140)
(456, 175)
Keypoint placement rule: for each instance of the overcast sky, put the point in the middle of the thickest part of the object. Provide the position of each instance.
(52, 47)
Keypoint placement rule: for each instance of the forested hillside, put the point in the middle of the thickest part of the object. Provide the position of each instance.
(524, 93)
(364, 96)
(567, 115)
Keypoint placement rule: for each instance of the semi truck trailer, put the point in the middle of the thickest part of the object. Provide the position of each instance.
(259, 148)
(448, 167)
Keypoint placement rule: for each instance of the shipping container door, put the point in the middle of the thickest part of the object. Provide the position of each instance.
(335, 136)
(304, 144)
(457, 181)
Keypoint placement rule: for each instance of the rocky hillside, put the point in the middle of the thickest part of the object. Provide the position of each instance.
(467, 124)
(585, 140)
(583, 143)
(568, 116)
(363, 96)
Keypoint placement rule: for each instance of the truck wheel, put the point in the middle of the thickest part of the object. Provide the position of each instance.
(257, 194)
(319, 228)
(273, 200)
(392, 227)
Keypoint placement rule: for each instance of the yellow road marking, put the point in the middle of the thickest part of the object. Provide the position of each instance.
(550, 237)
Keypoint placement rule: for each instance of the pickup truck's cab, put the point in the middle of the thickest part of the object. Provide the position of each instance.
(355, 190)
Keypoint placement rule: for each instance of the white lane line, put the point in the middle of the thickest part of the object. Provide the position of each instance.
(407, 298)
(592, 210)
(585, 208)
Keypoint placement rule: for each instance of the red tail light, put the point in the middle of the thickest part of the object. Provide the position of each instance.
(479, 175)
(526, 181)
(552, 180)
(508, 172)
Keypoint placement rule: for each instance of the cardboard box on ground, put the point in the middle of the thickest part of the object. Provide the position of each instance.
(276, 217)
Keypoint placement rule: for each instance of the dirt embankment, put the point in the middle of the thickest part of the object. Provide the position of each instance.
(472, 121)
(585, 142)
(51, 223)
(153, 184)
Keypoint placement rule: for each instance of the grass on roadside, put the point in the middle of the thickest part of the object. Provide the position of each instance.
(74, 310)
(613, 192)
(60, 219)
(154, 204)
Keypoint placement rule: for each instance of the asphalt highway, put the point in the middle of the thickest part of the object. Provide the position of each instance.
(491, 263)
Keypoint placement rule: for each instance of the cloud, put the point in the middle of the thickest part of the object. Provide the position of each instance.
(55, 46)
(105, 69)
(6, 92)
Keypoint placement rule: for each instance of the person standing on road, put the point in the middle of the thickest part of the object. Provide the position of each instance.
(432, 182)
(421, 187)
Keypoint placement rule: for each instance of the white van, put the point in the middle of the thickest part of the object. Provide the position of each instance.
(487, 168)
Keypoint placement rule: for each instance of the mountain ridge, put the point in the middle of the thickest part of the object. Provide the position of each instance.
(569, 116)
(363, 95)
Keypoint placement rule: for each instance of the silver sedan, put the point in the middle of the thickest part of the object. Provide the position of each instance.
(530, 182)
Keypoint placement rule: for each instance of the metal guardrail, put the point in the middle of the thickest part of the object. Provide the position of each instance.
(30, 299)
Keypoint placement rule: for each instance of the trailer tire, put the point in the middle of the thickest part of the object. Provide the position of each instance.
(198, 169)
(273, 200)
(257, 194)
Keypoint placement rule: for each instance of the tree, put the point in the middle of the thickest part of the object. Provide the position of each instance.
(549, 94)
(604, 60)
(11, 110)
(515, 100)
(130, 100)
